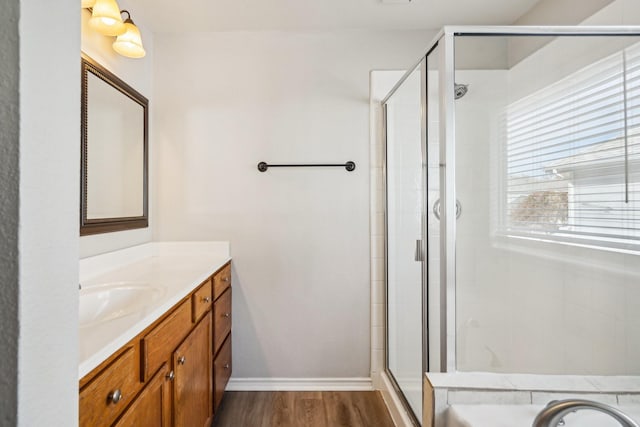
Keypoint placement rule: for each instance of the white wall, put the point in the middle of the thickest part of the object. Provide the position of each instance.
(551, 12)
(300, 237)
(48, 234)
(138, 73)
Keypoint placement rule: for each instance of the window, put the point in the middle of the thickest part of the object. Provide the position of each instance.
(573, 157)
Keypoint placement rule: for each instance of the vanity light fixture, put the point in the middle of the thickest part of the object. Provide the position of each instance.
(106, 18)
(129, 43)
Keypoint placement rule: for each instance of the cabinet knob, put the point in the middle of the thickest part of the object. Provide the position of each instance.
(115, 396)
(226, 279)
(181, 360)
(170, 376)
(226, 315)
(206, 299)
(226, 366)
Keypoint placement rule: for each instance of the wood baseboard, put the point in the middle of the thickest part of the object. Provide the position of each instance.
(300, 384)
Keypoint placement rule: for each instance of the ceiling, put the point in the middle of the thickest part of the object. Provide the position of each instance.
(164, 16)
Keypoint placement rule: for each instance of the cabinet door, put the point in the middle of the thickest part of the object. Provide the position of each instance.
(192, 388)
(221, 372)
(152, 408)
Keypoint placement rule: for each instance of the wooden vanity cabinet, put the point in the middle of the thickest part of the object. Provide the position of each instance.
(164, 377)
(222, 313)
(221, 372)
(192, 385)
(221, 335)
(109, 392)
(221, 281)
(152, 408)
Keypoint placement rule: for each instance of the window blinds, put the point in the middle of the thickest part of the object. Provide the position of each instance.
(573, 156)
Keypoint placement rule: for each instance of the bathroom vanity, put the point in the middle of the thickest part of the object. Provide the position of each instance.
(155, 338)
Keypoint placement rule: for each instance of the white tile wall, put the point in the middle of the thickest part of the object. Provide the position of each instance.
(542, 398)
(487, 389)
(380, 84)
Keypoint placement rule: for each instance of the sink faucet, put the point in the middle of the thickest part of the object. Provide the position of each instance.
(552, 414)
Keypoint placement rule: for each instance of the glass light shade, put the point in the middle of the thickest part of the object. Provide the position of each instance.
(88, 3)
(106, 18)
(129, 44)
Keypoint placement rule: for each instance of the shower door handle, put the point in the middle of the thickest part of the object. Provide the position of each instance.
(419, 256)
(436, 209)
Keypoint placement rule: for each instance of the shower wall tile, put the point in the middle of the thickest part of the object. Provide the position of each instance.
(481, 380)
(542, 398)
(377, 292)
(376, 178)
(377, 360)
(616, 383)
(377, 201)
(377, 155)
(550, 382)
(377, 224)
(377, 315)
(377, 247)
(377, 337)
(377, 270)
(629, 399)
(491, 397)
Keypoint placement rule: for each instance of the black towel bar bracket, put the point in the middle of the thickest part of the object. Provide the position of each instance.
(349, 166)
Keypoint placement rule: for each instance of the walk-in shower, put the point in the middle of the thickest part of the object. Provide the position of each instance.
(513, 205)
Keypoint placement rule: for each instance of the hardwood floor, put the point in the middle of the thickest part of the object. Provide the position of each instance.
(302, 409)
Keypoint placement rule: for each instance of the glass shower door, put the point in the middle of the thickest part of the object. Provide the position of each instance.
(405, 248)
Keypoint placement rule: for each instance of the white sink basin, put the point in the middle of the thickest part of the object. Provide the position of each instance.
(109, 301)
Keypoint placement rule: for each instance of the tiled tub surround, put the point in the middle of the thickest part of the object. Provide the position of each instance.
(523, 415)
(174, 268)
(487, 399)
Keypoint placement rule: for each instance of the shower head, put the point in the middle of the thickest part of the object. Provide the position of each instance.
(460, 90)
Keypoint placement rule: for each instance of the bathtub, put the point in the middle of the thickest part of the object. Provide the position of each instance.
(495, 415)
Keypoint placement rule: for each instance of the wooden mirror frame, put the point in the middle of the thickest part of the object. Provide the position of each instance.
(107, 225)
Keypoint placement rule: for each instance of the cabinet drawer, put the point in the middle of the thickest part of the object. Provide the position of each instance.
(221, 372)
(222, 319)
(109, 393)
(158, 344)
(221, 281)
(201, 300)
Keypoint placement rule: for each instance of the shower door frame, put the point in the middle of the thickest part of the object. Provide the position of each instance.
(393, 380)
(445, 39)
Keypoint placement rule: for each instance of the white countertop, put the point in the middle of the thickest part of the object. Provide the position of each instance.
(176, 269)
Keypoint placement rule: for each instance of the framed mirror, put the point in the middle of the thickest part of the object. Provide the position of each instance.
(114, 160)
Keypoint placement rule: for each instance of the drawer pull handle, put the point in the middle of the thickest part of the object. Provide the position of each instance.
(226, 279)
(115, 396)
(226, 366)
(181, 360)
(226, 315)
(206, 299)
(171, 375)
